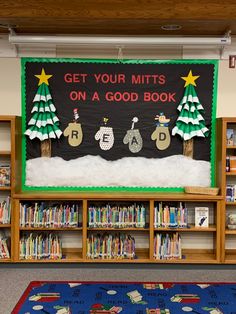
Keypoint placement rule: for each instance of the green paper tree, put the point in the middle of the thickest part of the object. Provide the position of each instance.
(44, 124)
(190, 122)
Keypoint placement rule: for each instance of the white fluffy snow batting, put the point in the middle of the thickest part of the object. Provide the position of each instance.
(173, 171)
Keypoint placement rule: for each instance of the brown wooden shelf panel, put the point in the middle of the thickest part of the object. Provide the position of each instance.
(5, 260)
(230, 231)
(230, 256)
(5, 153)
(230, 203)
(230, 173)
(192, 228)
(5, 188)
(5, 225)
(7, 118)
(112, 196)
(231, 146)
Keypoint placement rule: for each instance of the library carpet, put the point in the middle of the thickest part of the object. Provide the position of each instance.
(55, 297)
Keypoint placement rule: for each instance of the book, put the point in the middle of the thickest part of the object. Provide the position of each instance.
(229, 193)
(230, 137)
(5, 175)
(232, 163)
(232, 221)
(202, 217)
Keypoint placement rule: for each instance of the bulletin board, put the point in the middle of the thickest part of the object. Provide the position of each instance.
(118, 125)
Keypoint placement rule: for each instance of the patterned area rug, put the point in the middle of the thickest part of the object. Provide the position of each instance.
(127, 298)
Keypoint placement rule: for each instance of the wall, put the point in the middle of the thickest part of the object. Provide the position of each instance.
(10, 93)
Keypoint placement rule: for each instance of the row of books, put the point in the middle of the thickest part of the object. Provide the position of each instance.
(167, 246)
(44, 215)
(230, 193)
(110, 246)
(40, 246)
(4, 242)
(5, 211)
(117, 217)
(167, 216)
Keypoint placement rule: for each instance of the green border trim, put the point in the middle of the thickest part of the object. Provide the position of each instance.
(113, 61)
(213, 127)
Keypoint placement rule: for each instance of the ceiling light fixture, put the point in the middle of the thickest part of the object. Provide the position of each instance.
(116, 40)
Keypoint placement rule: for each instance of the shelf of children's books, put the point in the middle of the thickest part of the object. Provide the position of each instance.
(69, 255)
(117, 229)
(141, 256)
(5, 153)
(50, 229)
(5, 226)
(191, 228)
(192, 256)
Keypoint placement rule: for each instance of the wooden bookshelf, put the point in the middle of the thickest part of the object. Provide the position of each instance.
(143, 254)
(227, 255)
(9, 127)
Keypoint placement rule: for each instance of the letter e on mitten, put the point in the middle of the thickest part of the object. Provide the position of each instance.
(105, 137)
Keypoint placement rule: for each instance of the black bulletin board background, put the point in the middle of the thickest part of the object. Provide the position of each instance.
(120, 114)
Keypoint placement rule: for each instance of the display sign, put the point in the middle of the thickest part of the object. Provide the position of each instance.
(110, 124)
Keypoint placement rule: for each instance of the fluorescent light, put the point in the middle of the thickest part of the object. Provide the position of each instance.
(117, 40)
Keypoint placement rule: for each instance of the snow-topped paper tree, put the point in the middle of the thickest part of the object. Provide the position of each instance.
(44, 124)
(190, 122)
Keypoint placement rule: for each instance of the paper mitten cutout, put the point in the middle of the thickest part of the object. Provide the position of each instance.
(74, 133)
(133, 137)
(105, 136)
(162, 137)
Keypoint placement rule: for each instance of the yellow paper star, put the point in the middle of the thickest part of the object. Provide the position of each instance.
(190, 79)
(43, 77)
